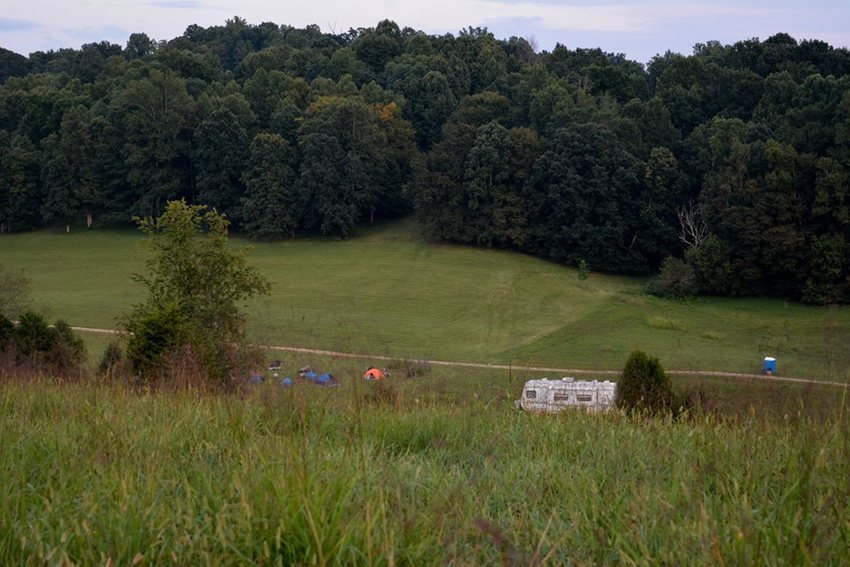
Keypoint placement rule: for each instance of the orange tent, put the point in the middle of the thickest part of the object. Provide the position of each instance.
(373, 374)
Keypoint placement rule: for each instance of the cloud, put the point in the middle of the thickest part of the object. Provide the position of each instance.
(620, 17)
(110, 33)
(181, 4)
(11, 25)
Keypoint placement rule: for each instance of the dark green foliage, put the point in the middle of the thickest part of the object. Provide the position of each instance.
(53, 350)
(155, 332)
(12, 65)
(591, 185)
(643, 386)
(33, 335)
(273, 206)
(676, 279)
(112, 358)
(568, 154)
(7, 330)
(220, 157)
(828, 282)
(195, 284)
(14, 293)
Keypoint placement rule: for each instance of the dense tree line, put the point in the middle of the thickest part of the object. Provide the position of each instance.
(734, 160)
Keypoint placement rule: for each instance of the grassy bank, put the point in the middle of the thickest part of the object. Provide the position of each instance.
(370, 474)
(389, 292)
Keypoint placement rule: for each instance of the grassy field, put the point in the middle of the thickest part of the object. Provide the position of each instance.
(416, 473)
(389, 292)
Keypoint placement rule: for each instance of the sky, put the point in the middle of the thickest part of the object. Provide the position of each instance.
(638, 28)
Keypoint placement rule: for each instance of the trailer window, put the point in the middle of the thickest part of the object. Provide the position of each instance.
(530, 394)
(562, 397)
(584, 397)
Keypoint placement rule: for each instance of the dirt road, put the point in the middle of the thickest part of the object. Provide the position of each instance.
(561, 371)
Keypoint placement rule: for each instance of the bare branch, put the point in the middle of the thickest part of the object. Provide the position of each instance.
(693, 229)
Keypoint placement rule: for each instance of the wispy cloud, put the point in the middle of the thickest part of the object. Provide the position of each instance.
(11, 25)
(181, 4)
(110, 33)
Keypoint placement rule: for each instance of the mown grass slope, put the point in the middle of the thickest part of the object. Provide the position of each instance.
(371, 474)
(389, 292)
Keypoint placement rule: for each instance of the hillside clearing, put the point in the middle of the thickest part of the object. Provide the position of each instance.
(389, 292)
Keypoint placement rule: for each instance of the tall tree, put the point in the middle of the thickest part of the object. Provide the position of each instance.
(273, 206)
(158, 116)
(219, 158)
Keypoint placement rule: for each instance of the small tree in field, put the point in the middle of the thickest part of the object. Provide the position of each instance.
(14, 293)
(195, 285)
(644, 386)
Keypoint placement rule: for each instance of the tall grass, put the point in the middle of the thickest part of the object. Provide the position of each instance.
(352, 476)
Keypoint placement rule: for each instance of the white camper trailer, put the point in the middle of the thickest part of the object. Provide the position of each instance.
(552, 396)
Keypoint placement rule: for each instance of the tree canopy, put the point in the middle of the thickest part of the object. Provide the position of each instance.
(568, 154)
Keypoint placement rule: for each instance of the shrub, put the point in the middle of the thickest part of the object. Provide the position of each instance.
(14, 293)
(644, 386)
(33, 337)
(7, 330)
(42, 348)
(583, 270)
(154, 333)
(111, 360)
(675, 280)
(68, 351)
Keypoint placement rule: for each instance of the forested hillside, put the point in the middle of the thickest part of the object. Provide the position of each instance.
(735, 159)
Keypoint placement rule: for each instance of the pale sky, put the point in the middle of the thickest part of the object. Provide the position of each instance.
(638, 28)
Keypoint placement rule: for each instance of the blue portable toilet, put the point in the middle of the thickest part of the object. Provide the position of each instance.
(769, 365)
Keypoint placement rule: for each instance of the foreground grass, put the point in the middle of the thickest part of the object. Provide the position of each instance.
(389, 292)
(382, 474)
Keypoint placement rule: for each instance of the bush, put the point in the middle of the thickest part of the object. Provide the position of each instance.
(583, 270)
(7, 330)
(68, 351)
(675, 280)
(644, 386)
(14, 293)
(154, 333)
(196, 282)
(41, 348)
(111, 360)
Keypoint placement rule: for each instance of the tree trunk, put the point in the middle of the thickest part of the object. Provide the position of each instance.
(89, 218)
(67, 228)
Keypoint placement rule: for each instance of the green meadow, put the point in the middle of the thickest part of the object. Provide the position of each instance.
(389, 292)
(432, 466)
(409, 472)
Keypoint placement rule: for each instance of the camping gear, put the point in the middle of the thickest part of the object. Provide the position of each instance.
(307, 373)
(257, 378)
(275, 365)
(287, 381)
(327, 379)
(373, 373)
(769, 365)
